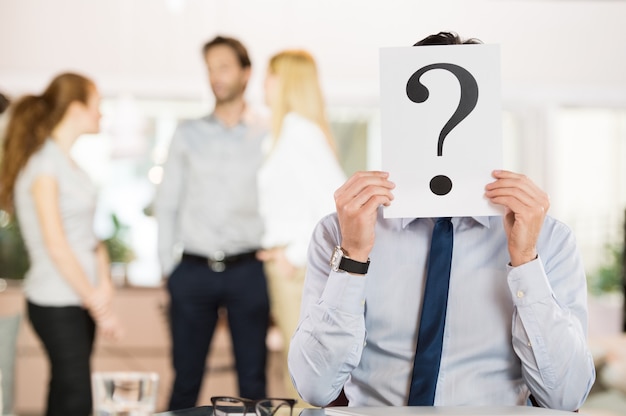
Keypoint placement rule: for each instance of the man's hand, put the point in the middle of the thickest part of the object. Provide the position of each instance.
(526, 207)
(357, 203)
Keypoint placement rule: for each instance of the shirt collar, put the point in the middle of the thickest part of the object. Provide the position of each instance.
(482, 220)
(248, 118)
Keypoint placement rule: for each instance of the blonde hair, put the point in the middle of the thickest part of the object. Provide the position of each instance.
(298, 91)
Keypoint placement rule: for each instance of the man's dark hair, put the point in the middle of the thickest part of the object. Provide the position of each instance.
(234, 44)
(447, 38)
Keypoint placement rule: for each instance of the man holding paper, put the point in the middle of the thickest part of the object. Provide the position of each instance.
(472, 310)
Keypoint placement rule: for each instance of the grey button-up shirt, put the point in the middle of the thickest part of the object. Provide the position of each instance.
(207, 201)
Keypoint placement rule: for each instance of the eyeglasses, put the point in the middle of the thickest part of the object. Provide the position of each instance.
(228, 406)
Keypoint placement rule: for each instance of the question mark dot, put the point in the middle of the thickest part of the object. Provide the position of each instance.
(440, 185)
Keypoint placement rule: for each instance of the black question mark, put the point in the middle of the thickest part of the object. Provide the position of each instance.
(418, 93)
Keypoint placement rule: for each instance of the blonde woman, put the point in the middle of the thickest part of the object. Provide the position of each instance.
(296, 182)
(67, 286)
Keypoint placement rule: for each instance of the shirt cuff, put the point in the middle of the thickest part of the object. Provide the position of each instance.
(345, 292)
(529, 283)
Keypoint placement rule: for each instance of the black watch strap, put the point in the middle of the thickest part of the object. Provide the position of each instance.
(353, 266)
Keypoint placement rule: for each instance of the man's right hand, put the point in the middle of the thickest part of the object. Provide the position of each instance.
(357, 203)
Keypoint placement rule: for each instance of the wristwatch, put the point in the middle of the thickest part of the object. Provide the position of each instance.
(339, 261)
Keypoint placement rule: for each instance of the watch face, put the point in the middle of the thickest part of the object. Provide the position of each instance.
(336, 258)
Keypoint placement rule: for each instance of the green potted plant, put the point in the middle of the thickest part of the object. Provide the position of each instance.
(609, 277)
(120, 254)
(14, 261)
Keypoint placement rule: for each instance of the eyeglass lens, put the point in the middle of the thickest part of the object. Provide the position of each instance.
(274, 407)
(228, 406)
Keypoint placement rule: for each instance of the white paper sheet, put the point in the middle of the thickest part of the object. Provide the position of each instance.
(412, 131)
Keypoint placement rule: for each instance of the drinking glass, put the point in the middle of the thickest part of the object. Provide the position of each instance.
(123, 393)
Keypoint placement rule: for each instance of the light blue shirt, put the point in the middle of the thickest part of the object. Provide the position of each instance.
(509, 332)
(207, 202)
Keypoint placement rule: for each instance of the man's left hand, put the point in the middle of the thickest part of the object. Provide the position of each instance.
(526, 206)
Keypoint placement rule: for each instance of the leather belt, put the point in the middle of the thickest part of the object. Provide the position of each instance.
(219, 260)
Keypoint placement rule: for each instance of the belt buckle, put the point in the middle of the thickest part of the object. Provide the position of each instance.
(216, 261)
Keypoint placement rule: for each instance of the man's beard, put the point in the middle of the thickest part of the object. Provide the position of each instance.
(233, 95)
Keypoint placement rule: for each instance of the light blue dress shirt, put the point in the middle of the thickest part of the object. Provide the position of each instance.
(509, 331)
(207, 202)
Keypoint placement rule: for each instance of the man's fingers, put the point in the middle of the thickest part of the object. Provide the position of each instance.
(362, 187)
(517, 192)
(363, 179)
(366, 194)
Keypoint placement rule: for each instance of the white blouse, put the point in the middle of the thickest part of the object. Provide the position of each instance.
(296, 186)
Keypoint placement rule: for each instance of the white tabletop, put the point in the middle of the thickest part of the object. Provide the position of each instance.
(444, 411)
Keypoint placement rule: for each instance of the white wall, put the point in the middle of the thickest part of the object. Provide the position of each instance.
(554, 53)
(551, 50)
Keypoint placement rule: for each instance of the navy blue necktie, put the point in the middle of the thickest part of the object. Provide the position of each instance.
(433, 317)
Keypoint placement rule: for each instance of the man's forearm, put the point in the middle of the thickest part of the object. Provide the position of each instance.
(323, 352)
(550, 340)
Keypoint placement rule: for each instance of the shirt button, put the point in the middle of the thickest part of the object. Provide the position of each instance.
(362, 302)
(520, 294)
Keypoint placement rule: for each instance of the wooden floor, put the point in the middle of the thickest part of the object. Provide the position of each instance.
(221, 378)
(145, 347)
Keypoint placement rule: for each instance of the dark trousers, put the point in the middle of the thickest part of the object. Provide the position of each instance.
(67, 334)
(196, 294)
